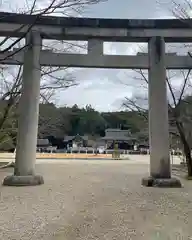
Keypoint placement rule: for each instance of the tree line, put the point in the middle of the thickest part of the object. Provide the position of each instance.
(61, 121)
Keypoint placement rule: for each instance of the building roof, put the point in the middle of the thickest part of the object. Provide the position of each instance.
(118, 138)
(145, 143)
(116, 130)
(113, 129)
(43, 142)
(117, 134)
(70, 138)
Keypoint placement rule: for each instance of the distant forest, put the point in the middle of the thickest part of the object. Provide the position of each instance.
(63, 121)
(57, 122)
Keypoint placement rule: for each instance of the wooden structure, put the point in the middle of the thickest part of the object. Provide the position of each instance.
(76, 141)
(117, 136)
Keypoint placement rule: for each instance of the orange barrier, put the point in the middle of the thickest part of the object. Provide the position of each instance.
(69, 155)
(59, 155)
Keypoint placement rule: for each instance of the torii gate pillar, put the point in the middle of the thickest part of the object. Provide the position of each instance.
(24, 173)
(160, 168)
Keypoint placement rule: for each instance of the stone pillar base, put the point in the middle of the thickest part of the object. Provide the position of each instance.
(30, 180)
(161, 182)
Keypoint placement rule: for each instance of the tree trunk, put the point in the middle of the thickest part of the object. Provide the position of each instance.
(187, 152)
(186, 148)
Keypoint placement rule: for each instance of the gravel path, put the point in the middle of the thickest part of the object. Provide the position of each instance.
(94, 200)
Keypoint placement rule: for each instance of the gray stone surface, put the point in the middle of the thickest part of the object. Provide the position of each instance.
(170, 183)
(30, 180)
(162, 182)
(94, 200)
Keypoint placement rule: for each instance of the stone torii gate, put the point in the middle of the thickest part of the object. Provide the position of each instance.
(95, 32)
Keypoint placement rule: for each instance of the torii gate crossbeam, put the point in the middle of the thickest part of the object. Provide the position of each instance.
(96, 60)
(95, 31)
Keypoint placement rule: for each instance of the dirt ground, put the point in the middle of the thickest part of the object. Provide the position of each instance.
(94, 200)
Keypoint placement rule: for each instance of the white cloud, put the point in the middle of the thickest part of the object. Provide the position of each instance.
(119, 48)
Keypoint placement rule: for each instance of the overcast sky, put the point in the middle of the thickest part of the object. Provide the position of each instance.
(105, 89)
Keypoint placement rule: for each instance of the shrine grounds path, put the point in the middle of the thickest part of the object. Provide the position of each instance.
(98, 199)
